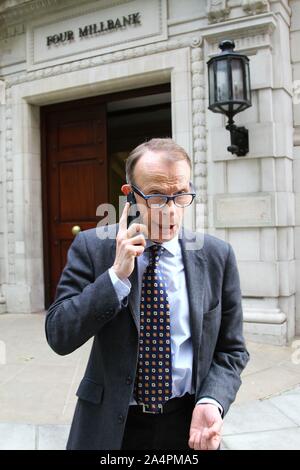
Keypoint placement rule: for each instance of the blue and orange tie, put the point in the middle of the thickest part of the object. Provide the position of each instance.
(154, 371)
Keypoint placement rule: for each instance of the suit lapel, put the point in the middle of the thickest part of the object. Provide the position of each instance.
(134, 296)
(195, 266)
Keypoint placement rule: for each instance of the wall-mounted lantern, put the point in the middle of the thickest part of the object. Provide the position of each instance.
(229, 92)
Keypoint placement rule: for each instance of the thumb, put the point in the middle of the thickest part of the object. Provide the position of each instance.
(215, 429)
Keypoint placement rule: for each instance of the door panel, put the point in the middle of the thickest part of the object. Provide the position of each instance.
(76, 175)
(78, 191)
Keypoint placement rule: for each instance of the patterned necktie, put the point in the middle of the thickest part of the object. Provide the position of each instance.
(154, 371)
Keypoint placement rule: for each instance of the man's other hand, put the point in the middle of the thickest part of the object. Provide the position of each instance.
(206, 427)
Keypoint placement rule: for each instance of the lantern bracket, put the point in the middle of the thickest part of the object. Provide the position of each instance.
(239, 139)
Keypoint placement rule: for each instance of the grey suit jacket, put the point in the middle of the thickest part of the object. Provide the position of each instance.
(86, 306)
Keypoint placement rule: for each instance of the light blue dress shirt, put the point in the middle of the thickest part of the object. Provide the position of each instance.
(171, 264)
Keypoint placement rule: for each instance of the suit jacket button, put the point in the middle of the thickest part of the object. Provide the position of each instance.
(129, 380)
(120, 419)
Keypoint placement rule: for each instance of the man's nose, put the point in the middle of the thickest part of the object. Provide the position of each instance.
(171, 206)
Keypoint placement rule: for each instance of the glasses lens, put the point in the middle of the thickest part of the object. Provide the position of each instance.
(183, 200)
(156, 202)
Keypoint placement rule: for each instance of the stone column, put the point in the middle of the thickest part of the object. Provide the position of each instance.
(295, 59)
(251, 198)
(2, 193)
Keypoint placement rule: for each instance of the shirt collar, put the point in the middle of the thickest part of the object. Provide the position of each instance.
(172, 246)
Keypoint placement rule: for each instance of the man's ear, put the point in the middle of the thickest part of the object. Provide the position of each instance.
(126, 189)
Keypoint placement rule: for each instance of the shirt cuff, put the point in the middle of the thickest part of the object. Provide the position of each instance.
(210, 401)
(122, 288)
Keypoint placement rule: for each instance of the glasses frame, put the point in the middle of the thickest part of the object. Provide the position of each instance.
(167, 197)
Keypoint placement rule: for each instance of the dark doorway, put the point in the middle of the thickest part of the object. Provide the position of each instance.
(84, 147)
(129, 123)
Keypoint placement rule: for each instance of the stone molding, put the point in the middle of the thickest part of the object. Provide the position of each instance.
(12, 31)
(217, 10)
(108, 58)
(9, 187)
(255, 7)
(10, 17)
(10, 14)
(264, 315)
(261, 28)
(199, 130)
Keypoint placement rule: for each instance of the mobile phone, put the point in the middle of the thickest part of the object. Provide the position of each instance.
(131, 198)
(132, 201)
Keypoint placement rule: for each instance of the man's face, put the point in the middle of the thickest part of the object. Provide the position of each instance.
(155, 175)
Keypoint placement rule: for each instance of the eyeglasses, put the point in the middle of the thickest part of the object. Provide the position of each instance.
(157, 201)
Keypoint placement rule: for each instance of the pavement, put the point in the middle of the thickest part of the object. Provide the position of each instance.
(37, 392)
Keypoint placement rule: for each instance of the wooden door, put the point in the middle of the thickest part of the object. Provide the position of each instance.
(75, 179)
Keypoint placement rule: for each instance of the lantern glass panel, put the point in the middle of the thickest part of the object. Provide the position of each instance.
(247, 81)
(237, 79)
(222, 81)
(211, 79)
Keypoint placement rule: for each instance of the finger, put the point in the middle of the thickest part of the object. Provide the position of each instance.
(136, 228)
(134, 250)
(215, 429)
(139, 250)
(214, 442)
(214, 436)
(137, 240)
(123, 219)
(204, 442)
(194, 441)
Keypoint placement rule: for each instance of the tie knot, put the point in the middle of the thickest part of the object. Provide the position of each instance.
(155, 252)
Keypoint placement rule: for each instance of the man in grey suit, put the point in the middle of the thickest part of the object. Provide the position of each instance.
(193, 359)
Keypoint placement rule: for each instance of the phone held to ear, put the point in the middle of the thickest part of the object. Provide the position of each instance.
(131, 199)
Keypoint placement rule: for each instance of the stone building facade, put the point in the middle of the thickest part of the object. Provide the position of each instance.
(58, 51)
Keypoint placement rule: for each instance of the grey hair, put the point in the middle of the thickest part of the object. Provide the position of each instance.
(172, 151)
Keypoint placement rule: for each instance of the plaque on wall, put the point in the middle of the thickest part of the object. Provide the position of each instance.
(244, 210)
(88, 31)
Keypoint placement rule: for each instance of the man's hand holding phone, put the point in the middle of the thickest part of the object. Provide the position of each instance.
(130, 243)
